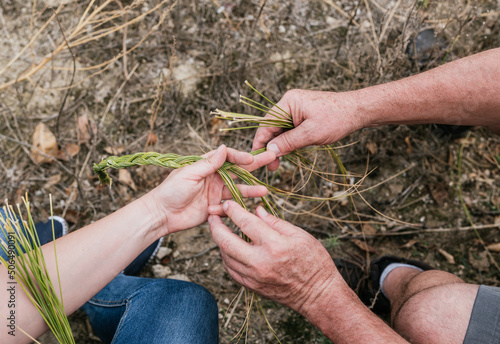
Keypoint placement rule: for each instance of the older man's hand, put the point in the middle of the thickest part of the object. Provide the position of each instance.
(282, 262)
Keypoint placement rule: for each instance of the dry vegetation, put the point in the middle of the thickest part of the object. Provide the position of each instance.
(146, 74)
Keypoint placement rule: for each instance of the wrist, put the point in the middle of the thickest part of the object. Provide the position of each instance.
(156, 216)
(360, 109)
(321, 298)
(376, 105)
(343, 318)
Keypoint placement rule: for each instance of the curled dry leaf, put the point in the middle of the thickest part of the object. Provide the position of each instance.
(44, 145)
(409, 243)
(408, 144)
(53, 180)
(125, 178)
(69, 151)
(114, 150)
(72, 216)
(449, 258)
(363, 245)
(372, 147)
(439, 193)
(86, 129)
(368, 229)
(494, 247)
(151, 139)
(71, 192)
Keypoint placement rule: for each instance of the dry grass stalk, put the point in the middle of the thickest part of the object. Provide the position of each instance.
(98, 19)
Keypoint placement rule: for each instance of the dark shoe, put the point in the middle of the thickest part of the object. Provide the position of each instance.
(44, 229)
(447, 131)
(134, 268)
(365, 280)
(425, 47)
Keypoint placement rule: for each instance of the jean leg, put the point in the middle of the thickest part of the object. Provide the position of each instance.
(4, 239)
(144, 310)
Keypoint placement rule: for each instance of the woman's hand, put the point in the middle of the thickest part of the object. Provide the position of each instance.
(182, 200)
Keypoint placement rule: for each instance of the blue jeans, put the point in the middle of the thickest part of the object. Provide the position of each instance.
(147, 310)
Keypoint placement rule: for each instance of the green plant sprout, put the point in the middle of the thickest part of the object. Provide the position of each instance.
(30, 270)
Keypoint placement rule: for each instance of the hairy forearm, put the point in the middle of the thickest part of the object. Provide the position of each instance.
(88, 259)
(462, 92)
(342, 317)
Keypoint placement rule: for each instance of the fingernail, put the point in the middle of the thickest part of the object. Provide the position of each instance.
(225, 205)
(273, 147)
(210, 218)
(220, 148)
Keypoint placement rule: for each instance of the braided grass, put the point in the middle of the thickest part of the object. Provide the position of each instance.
(175, 161)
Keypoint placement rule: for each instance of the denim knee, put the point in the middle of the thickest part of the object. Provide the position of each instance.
(133, 309)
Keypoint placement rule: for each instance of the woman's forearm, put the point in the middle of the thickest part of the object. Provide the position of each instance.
(88, 260)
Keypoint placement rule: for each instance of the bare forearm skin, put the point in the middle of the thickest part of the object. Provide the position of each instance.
(88, 260)
(462, 92)
(344, 319)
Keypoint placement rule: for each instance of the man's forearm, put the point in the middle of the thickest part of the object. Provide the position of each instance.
(343, 318)
(462, 92)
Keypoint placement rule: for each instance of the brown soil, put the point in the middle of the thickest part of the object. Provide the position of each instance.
(277, 46)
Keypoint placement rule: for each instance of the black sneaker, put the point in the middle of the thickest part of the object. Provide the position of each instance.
(365, 280)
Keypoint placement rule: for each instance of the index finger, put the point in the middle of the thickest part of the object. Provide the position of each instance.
(231, 244)
(254, 227)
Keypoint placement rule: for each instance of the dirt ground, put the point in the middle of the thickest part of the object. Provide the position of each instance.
(184, 61)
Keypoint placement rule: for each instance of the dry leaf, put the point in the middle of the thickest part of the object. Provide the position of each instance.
(363, 245)
(114, 150)
(408, 144)
(439, 193)
(497, 220)
(368, 229)
(53, 180)
(449, 258)
(494, 247)
(151, 139)
(69, 151)
(44, 145)
(72, 216)
(372, 147)
(479, 261)
(216, 124)
(409, 243)
(72, 149)
(71, 192)
(125, 178)
(86, 129)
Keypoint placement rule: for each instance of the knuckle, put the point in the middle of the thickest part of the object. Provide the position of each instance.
(246, 223)
(274, 222)
(225, 245)
(286, 143)
(291, 94)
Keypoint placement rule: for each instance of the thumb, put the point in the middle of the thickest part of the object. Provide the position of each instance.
(289, 141)
(210, 165)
